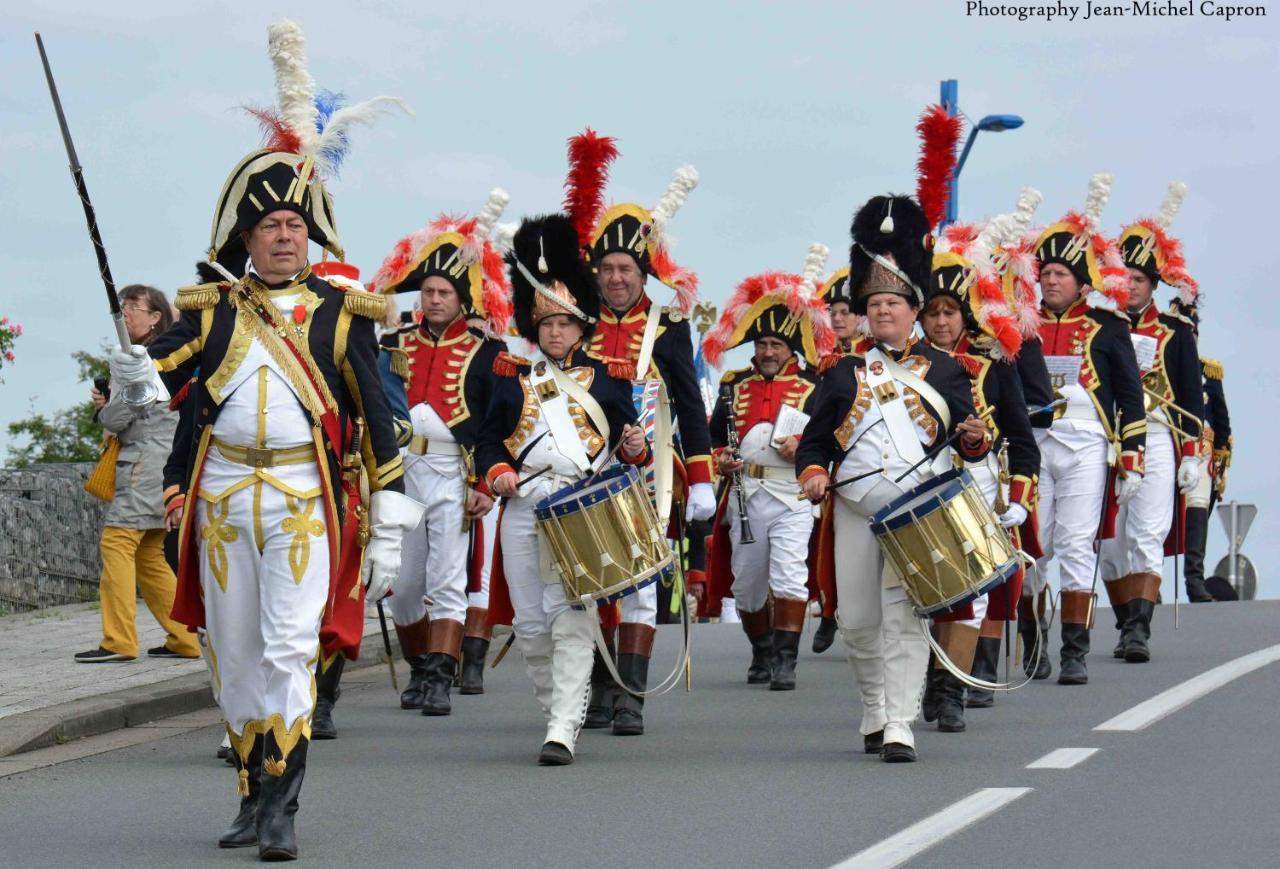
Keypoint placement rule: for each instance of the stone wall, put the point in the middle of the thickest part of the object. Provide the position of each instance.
(49, 527)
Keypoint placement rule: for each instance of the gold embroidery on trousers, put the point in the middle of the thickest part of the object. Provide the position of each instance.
(303, 527)
(216, 534)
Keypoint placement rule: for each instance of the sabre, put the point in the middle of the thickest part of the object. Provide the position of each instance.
(135, 394)
(386, 645)
(502, 653)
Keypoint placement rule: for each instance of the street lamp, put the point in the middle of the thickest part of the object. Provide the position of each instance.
(991, 123)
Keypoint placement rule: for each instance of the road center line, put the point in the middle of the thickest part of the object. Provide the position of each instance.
(1167, 702)
(1063, 758)
(923, 835)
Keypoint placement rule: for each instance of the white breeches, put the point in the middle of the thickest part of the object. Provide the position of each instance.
(1072, 484)
(776, 561)
(1144, 522)
(433, 562)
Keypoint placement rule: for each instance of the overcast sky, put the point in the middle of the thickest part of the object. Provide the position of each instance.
(794, 114)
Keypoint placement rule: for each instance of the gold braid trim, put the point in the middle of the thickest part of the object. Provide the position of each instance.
(242, 745)
(198, 297)
(371, 305)
(285, 738)
(288, 361)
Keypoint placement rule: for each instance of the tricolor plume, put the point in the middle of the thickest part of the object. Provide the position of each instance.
(295, 89)
(335, 119)
(589, 157)
(939, 134)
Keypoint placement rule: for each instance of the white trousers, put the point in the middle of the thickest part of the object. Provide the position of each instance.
(264, 576)
(777, 560)
(1072, 484)
(884, 637)
(433, 560)
(1144, 522)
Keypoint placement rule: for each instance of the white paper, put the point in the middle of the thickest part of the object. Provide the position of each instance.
(791, 422)
(1144, 347)
(1063, 370)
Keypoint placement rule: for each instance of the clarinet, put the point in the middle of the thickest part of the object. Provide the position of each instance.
(735, 451)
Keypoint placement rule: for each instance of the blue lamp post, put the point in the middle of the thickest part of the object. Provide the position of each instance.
(992, 123)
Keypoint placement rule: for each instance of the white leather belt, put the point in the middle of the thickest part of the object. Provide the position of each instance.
(420, 445)
(1080, 411)
(769, 472)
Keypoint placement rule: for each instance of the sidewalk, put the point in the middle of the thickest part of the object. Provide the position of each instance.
(46, 698)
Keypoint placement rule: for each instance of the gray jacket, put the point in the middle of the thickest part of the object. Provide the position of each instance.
(146, 437)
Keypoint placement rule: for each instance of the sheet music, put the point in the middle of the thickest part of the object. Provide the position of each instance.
(790, 422)
(1144, 347)
(1063, 370)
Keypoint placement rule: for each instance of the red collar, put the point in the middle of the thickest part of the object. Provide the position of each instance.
(1079, 309)
(451, 333)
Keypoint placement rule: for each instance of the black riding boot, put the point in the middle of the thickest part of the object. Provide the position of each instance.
(474, 652)
(950, 703)
(1197, 534)
(759, 630)
(824, 636)
(243, 831)
(415, 693)
(1118, 592)
(441, 668)
(278, 804)
(327, 694)
(600, 706)
(788, 620)
(986, 661)
(1035, 641)
(932, 699)
(635, 646)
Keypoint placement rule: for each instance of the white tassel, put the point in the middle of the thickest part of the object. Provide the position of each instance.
(542, 258)
(673, 199)
(886, 225)
(504, 236)
(295, 89)
(815, 264)
(492, 210)
(1096, 200)
(1172, 202)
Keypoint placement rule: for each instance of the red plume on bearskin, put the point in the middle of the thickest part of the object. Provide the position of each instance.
(939, 135)
(589, 157)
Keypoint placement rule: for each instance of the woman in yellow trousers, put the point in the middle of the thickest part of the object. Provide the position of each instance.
(133, 532)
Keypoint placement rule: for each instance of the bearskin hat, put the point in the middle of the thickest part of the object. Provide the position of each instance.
(548, 275)
(895, 229)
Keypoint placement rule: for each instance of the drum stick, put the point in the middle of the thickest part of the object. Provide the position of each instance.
(532, 476)
(933, 454)
(861, 476)
(502, 653)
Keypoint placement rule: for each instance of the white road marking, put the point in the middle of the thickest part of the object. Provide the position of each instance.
(1063, 758)
(1167, 702)
(921, 836)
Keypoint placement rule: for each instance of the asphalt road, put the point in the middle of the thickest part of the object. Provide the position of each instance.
(729, 775)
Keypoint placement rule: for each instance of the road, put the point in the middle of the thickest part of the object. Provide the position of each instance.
(729, 775)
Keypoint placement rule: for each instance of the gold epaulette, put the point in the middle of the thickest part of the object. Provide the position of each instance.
(1180, 317)
(507, 364)
(1120, 315)
(1212, 368)
(199, 297)
(371, 305)
(399, 362)
(829, 361)
(621, 369)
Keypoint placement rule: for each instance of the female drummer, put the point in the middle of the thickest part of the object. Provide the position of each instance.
(551, 421)
(967, 314)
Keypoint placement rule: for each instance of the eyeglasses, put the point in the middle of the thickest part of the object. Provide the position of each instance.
(137, 309)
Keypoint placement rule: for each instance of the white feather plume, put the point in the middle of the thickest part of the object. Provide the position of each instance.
(333, 140)
(1096, 200)
(686, 178)
(1029, 200)
(295, 89)
(994, 233)
(815, 264)
(504, 235)
(498, 199)
(1172, 202)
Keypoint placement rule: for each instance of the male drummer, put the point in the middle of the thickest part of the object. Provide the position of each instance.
(888, 414)
(1166, 346)
(550, 423)
(1091, 358)
(624, 245)
(766, 405)
(967, 315)
(447, 377)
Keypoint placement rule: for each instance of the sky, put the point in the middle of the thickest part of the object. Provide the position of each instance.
(794, 114)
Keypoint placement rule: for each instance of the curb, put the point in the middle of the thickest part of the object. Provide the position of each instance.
(130, 707)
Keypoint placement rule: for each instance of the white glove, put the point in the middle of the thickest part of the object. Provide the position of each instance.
(1188, 475)
(702, 503)
(1014, 516)
(132, 366)
(1127, 486)
(391, 516)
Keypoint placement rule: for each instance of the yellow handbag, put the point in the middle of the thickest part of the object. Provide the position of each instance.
(102, 482)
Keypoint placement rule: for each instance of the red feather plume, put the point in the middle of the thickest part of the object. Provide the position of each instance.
(277, 135)
(589, 157)
(939, 135)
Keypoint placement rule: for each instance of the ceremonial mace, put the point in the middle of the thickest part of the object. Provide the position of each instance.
(135, 394)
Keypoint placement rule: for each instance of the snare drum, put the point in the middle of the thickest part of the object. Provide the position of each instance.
(604, 537)
(945, 542)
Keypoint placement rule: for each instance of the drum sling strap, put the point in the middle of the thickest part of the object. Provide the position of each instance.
(548, 384)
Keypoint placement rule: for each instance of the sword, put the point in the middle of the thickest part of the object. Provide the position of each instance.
(502, 653)
(386, 645)
(135, 394)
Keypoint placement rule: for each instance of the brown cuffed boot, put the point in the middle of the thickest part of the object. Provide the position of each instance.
(1145, 588)
(414, 640)
(759, 630)
(475, 649)
(1077, 612)
(635, 648)
(959, 642)
(788, 621)
(1119, 592)
(444, 646)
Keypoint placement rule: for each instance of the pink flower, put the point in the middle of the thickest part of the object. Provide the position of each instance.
(8, 356)
(17, 329)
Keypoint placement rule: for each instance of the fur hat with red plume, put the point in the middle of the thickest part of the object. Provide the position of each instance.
(460, 250)
(306, 142)
(1076, 241)
(627, 227)
(549, 277)
(776, 305)
(1146, 246)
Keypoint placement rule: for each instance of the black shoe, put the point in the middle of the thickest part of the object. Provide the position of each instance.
(555, 754)
(760, 672)
(628, 709)
(243, 832)
(327, 694)
(824, 636)
(1197, 593)
(873, 743)
(985, 662)
(100, 656)
(416, 691)
(1075, 645)
(603, 697)
(932, 696)
(166, 652)
(223, 752)
(950, 703)
(786, 647)
(278, 803)
(896, 752)
(474, 652)
(441, 669)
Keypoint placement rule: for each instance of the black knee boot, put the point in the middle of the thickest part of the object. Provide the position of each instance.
(474, 652)
(788, 619)
(1197, 534)
(243, 831)
(1076, 607)
(932, 698)
(278, 804)
(986, 661)
(443, 650)
(1035, 641)
(327, 694)
(635, 646)
(1137, 630)
(415, 692)
(600, 706)
(950, 703)
(759, 630)
(1118, 591)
